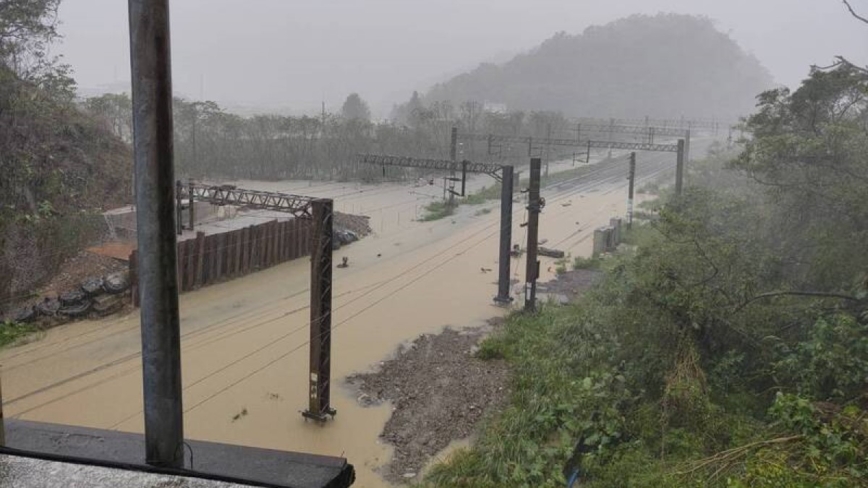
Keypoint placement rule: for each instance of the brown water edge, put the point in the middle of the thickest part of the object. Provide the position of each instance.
(244, 341)
(438, 391)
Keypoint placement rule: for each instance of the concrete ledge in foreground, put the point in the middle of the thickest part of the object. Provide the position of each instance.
(225, 465)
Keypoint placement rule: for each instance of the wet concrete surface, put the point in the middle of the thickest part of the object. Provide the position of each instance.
(231, 463)
(23, 472)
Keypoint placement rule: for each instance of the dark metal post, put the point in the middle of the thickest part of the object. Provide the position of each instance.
(679, 168)
(588, 157)
(506, 188)
(157, 264)
(2, 422)
(192, 212)
(548, 146)
(463, 177)
(321, 311)
(630, 190)
(453, 155)
(687, 147)
(178, 215)
(533, 211)
(453, 145)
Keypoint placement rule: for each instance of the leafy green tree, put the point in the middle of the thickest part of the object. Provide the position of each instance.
(809, 148)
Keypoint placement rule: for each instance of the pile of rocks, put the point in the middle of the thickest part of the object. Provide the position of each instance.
(95, 297)
(360, 225)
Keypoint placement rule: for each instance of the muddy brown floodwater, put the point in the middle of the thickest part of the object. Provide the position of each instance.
(245, 341)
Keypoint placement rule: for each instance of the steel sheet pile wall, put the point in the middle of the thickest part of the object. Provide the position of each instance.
(210, 259)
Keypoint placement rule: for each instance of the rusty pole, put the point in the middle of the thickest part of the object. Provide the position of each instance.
(533, 211)
(506, 189)
(319, 407)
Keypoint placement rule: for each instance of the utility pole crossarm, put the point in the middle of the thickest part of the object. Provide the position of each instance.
(299, 206)
(432, 164)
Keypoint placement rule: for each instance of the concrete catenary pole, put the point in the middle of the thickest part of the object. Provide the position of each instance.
(533, 211)
(506, 190)
(679, 168)
(157, 267)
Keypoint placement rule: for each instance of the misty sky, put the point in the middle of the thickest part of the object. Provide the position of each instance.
(290, 54)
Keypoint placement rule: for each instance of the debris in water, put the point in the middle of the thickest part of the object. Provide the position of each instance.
(242, 413)
(552, 253)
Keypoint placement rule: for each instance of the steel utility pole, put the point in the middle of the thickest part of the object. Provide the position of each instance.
(178, 211)
(453, 156)
(321, 311)
(533, 211)
(506, 190)
(151, 66)
(192, 212)
(687, 146)
(679, 168)
(632, 177)
(548, 146)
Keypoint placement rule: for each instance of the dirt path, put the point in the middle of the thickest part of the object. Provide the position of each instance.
(438, 391)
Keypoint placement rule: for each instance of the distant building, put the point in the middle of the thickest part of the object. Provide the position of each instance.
(494, 107)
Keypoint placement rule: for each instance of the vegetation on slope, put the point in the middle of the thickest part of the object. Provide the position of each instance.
(729, 347)
(666, 66)
(59, 166)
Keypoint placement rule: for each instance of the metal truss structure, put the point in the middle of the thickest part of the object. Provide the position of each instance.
(299, 206)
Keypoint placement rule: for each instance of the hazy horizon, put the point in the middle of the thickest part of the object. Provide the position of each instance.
(290, 56)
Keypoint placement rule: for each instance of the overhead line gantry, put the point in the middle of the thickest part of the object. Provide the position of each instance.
(320, 211)
(501, 173)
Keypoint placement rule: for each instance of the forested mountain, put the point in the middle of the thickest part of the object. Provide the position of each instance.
(664, 66)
